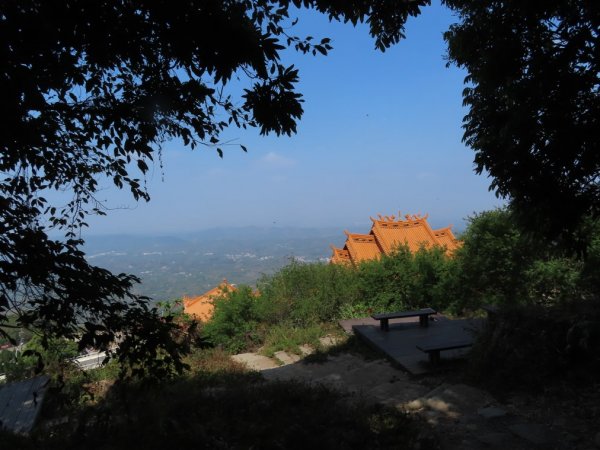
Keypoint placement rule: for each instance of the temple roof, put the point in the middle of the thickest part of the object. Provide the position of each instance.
(389, 232)
(447, 238)
(340, 256)
(415, 232)
(362, 247)
(202, 306)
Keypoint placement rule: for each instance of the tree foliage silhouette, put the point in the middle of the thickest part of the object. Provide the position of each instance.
(90, 90)
(533, 98)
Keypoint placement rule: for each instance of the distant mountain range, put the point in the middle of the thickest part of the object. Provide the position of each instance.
(173, 265)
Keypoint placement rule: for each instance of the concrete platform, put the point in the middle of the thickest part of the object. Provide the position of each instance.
(20, 403)
(399, 344)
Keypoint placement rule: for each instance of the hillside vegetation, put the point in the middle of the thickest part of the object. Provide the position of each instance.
(546, 295)
(547, 327)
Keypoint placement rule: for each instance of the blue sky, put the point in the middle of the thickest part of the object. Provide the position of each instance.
(381, 132)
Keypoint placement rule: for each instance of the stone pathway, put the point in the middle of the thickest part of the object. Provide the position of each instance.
(461, 416)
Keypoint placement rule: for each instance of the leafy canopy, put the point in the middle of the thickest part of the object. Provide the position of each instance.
(90, 90)
(533, 98)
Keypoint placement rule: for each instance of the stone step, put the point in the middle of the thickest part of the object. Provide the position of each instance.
(329, 341)
(254, 361)
(286, 358)
(306, 350)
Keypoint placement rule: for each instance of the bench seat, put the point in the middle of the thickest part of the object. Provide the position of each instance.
(433, 348)
(423, 315)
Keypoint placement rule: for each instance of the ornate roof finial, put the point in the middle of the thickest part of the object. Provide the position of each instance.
(393, 218)
(407, 216)
(379, 215)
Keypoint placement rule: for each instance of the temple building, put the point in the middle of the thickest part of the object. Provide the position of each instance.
(387, 233)
(202, 306)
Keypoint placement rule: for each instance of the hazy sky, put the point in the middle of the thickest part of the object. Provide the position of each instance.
(381, 132)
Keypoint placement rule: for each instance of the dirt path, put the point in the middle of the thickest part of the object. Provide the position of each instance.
(459, 416)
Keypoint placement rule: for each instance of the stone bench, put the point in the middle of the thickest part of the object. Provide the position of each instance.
(423, 315)
(434, 348)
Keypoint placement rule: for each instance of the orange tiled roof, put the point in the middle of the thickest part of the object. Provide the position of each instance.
(202, 307)
(361, 247)
(414, 232)
(387, 233)
(447, 238)
(340, 256)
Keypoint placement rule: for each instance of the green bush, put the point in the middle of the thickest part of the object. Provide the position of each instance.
(498, 264)
(526, 344)
(235, 322)
(355, 310)
(492, 262)
(287, 310)
(305, 294)
(556, 280)
(405, 280)
(386, 284)
(33, 358)
(432, 268)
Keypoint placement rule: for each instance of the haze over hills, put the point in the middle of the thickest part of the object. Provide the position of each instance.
(191, 263)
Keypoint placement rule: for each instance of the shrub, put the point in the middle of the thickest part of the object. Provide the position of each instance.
(306, 294)
(523, 345)
(405, 280)
(500, 265)
(33, 358)
(432, 269)
(235, 322)
(301, 295)
(355, 310)
(492, 262)
(386, 284)
(554, 281)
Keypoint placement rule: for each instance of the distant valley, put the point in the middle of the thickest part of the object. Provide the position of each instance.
(174, 265)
